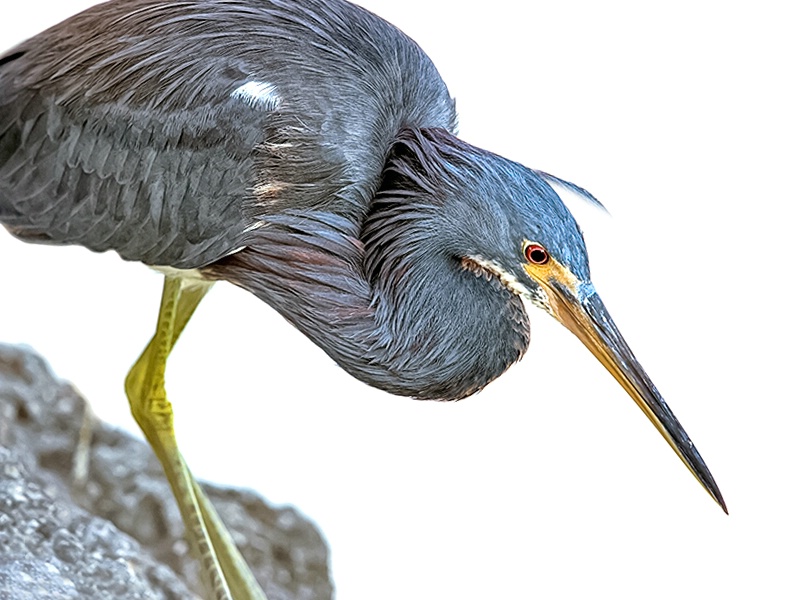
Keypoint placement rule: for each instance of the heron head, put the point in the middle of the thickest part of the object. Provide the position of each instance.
(531, 242)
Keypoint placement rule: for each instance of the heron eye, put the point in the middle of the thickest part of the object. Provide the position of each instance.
(536, 254)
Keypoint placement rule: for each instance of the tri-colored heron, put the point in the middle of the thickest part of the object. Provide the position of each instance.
(305, 151)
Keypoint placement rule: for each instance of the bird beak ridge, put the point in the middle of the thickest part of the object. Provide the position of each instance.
(585, 316)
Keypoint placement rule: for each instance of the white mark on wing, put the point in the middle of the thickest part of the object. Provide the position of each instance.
(260, 95)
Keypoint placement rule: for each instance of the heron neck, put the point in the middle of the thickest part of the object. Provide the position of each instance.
(391, 301)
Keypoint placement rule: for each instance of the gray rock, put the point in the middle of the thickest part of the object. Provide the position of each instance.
(85, 511)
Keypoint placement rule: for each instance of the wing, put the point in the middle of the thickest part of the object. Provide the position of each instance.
(162, 130)
(122, 131)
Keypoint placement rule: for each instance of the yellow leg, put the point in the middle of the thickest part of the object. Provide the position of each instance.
(224, 571)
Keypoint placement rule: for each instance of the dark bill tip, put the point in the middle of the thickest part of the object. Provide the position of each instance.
(589, 320)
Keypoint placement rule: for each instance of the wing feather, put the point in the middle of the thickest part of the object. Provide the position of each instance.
(146, 103)
(101, 144)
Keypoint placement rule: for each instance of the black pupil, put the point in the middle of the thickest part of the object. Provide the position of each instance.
(537, 255)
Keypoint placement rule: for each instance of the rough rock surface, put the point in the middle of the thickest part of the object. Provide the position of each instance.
(85, 511)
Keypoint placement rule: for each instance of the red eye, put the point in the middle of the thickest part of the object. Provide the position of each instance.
(536, 254)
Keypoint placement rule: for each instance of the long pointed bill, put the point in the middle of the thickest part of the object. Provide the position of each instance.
(588, 319)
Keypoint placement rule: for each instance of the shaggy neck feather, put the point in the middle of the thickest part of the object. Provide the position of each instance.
(390, 300)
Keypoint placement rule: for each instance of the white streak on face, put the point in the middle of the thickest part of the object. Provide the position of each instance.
(506, 278)
(540, 300)
(535, 296)
(260, 95)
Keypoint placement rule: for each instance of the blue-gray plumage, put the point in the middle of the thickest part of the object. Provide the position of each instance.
(400, 309)
(305, 151)
(135, 142)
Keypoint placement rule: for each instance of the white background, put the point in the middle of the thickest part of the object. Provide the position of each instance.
(551, 483)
